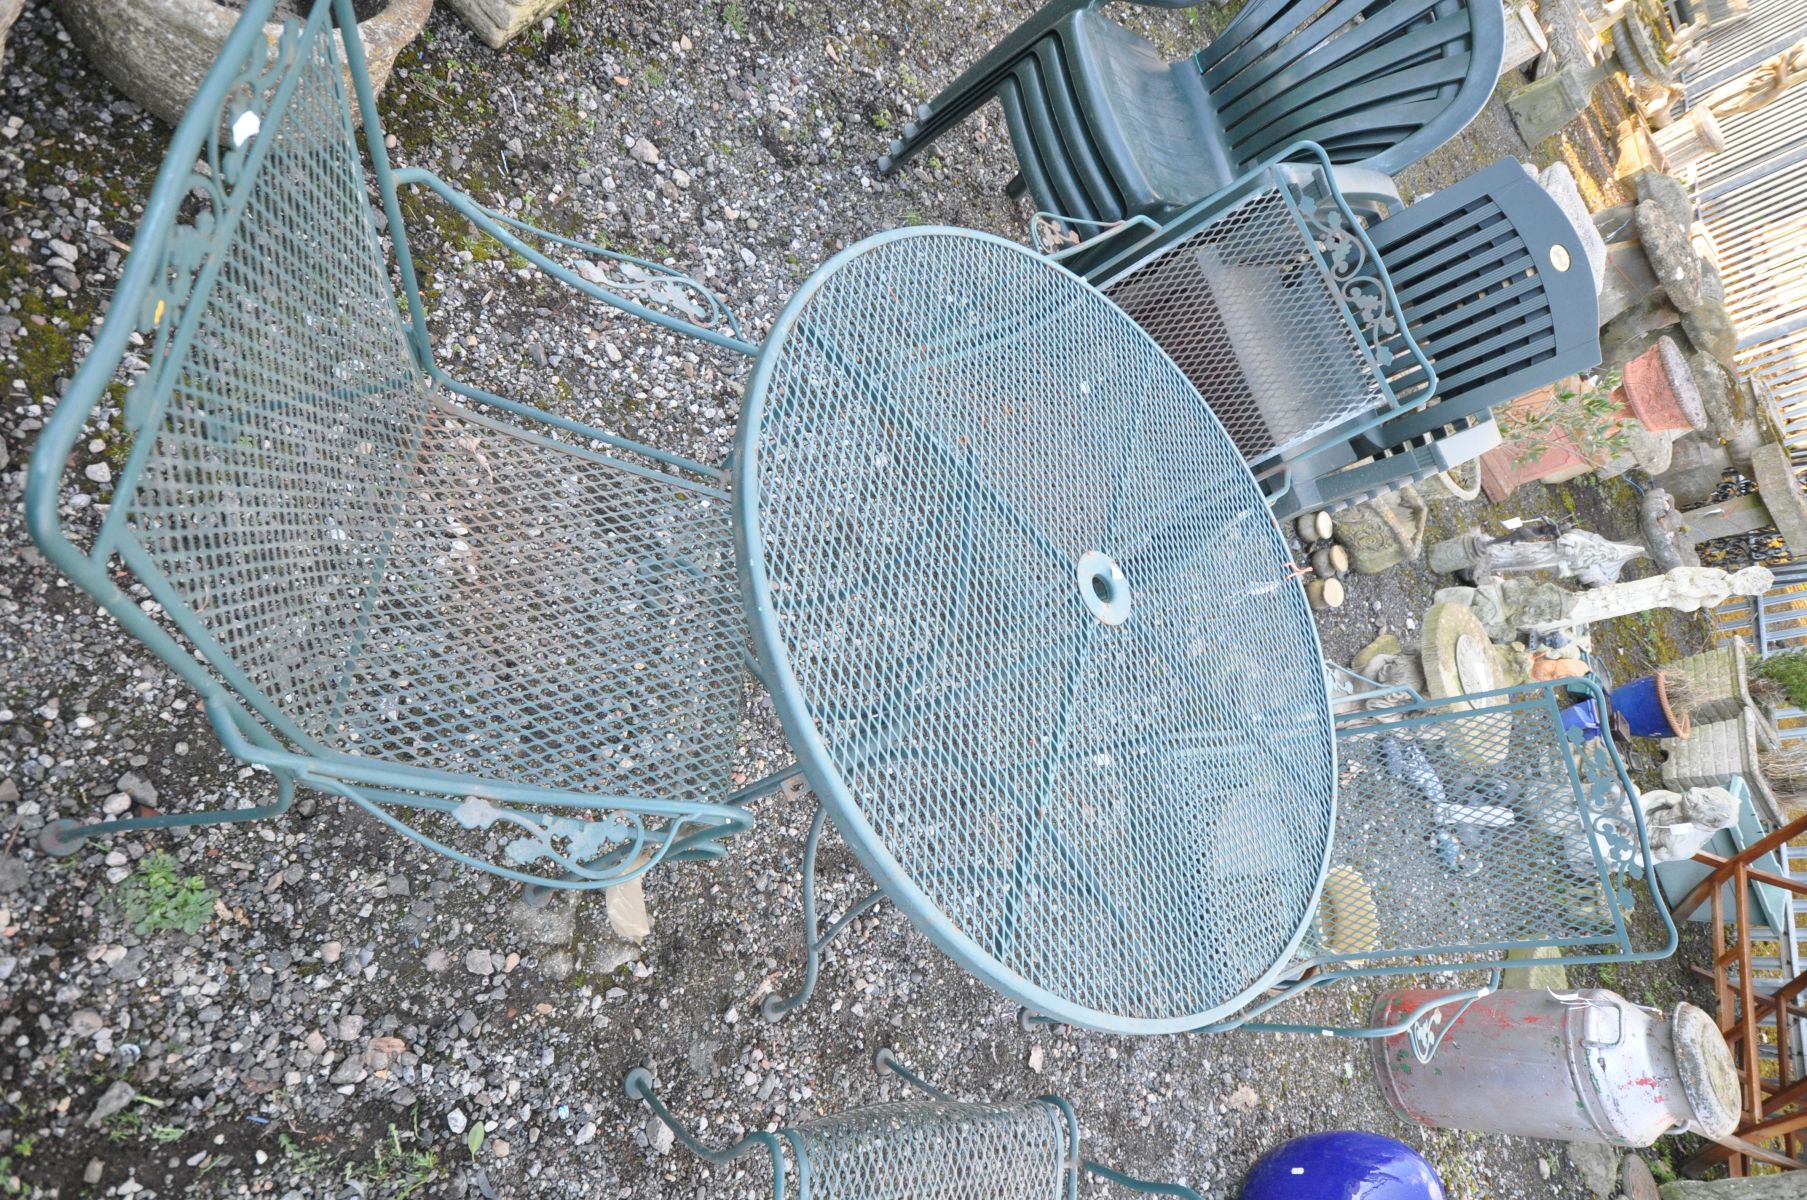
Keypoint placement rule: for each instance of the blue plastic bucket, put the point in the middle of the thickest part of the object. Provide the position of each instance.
(1583, 716)
(1642, 709)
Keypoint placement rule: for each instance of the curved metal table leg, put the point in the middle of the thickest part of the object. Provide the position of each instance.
(774, 1006)
(639, 1086)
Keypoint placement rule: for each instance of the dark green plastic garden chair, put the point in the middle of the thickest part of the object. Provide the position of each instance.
(511, 637)
(1105, 129)
(1488, 274)
(934, 1149)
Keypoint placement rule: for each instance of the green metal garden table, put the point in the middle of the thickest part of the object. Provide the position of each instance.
(1027, 622)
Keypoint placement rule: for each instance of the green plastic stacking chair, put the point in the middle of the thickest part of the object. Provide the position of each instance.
(1490, 281)
(1105, 129)
(513, 638)
(934, 1149)
(1495, 287)
(1469, 827)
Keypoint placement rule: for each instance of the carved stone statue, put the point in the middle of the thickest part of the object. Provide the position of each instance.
(1762, 84)
(1685, 589)
(1680, 824)
(1575, 554)
(1508, 605)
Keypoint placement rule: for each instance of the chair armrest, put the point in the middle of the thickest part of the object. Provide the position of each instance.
(705, 318)
(1372, 194)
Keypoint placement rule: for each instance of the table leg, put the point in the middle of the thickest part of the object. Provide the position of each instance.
(775, 1006)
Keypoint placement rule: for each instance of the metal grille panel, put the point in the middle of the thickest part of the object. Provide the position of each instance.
(1252, 308)
(939, 1150)
(1468, 828)
(1131, 816)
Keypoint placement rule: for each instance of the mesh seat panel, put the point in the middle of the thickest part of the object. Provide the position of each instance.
(551, 618)
(1476, 828)
(939, 1150)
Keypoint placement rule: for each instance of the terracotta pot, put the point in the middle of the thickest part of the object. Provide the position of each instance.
(1659, 390)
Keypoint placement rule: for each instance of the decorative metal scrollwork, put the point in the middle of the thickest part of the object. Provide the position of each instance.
(1354, 269)
(219, 180)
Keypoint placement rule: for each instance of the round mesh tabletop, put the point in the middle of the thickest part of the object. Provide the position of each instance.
(1027, 623)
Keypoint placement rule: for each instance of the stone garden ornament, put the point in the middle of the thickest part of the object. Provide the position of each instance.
(1684, 589)
(1680, 824)
(1575, 554)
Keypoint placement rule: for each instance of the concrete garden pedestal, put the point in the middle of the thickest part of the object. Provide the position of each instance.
(1690, 139)
(156, 51)
(499, 21)
(1716, 751)
(1778, 501)
(1718, 684)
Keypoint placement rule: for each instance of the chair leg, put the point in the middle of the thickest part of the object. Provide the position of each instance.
(774, 1006)
(639, 1086)
(1140, 1185)
(62, 838)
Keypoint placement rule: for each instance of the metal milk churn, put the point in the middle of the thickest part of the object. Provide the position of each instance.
(1585, 1066)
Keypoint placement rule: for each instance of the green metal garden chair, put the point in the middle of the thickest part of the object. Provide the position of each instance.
(511, 637)
(1104, 128)
(1467, 828)
(1489, 283)
(934, 1149)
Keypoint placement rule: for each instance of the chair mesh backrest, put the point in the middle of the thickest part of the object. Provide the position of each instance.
(1467, 828)
(1475, 270)
(283, 407)
(939, 1150)
(1382, 82)
(1272, 308)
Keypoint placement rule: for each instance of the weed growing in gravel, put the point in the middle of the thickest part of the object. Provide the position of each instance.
(399, 1170)
(160, 897)
(882, 120)
(655, 78)
(302, 1161)
(734, 19)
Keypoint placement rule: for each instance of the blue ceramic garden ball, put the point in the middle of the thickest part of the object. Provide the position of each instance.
(1344, 1165)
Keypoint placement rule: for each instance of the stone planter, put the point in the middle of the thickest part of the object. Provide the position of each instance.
(499, 21)
(1712, 753)
(157, 51)
(1717, 681)
(1658, 389)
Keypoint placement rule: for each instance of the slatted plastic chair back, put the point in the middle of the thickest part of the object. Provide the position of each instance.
(1369, 80)
(414, 605)
(1496, 291)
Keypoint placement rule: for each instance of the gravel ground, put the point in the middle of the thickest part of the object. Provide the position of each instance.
(353, 1009)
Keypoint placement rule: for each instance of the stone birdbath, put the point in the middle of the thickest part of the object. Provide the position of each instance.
(1655, 278)
(157, 51)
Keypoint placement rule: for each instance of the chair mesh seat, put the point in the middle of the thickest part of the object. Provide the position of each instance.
(516, 562)
(939, 1150)
(1472, 827)
(1275, 308)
